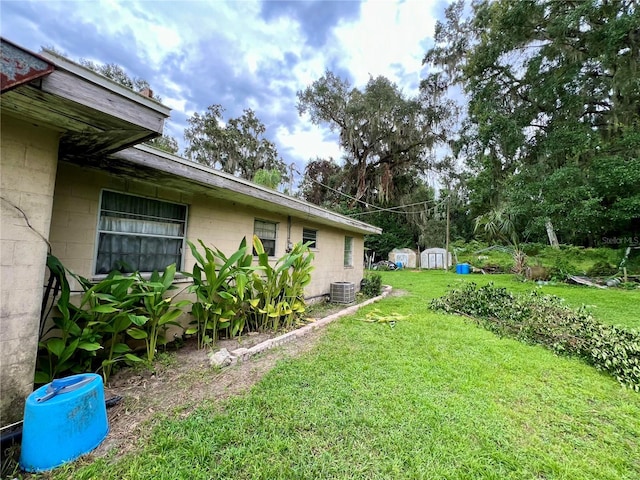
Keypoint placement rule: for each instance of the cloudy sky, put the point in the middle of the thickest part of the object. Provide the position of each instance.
(240, 54)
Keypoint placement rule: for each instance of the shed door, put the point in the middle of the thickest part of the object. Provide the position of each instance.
(403, 258)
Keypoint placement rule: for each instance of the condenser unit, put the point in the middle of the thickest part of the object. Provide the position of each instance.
(343, 292)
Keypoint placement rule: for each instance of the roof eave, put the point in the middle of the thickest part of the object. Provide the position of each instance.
(89, 75)
(150, 157)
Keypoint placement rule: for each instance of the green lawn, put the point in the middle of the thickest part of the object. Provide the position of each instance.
(433, 397)
(613, 305)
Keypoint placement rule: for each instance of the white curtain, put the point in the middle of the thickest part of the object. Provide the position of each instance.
(139, 234)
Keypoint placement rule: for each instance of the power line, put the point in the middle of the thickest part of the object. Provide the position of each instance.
(377, 208)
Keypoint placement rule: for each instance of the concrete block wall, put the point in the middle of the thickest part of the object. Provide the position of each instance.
(28, 162)
(329, 257)
(219, 223)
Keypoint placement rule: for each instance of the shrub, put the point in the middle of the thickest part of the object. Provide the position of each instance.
(111, 314)
(545, 320)
(371, 285)
(533, 249)
(602, 269)
(562, 268)
(220, 284)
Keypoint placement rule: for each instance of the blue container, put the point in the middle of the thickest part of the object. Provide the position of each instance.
(62, 421)
(463, 268)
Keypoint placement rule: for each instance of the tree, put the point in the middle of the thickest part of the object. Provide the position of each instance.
(552, 98)
(384, 134)
(237, 147)
(166, 143)
(118, 74)
(321, 183)
(268, 178)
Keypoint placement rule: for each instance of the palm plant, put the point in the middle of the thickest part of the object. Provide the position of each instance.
(498, 224)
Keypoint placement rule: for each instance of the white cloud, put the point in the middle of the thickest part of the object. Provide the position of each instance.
(169, 40)
(308, 142)
(387, 33)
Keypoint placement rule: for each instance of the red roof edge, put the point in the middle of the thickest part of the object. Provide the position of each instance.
(18, 65)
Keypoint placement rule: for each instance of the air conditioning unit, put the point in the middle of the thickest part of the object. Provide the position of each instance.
(343, 292)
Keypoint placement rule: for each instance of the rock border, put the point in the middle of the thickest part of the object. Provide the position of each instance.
(223, 358)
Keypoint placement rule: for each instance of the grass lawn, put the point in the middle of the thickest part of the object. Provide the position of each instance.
(613, 305)
(433, 397)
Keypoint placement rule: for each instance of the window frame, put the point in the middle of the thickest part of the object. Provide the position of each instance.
(348, 252)
(275, 237)
(99, 231)
(315, 237)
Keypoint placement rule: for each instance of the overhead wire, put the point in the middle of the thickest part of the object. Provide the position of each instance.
(381, 209)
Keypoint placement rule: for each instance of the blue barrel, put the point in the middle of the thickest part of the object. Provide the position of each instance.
(463, 268)
(62, 421)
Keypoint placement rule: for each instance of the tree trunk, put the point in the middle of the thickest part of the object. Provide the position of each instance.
(551, 233)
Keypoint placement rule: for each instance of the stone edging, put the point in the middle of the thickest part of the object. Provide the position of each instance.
(223, 357)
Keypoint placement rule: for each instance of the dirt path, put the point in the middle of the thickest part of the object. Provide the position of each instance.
(181, 382)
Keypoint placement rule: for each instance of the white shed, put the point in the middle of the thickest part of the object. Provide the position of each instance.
(434, 258)
(405, 256)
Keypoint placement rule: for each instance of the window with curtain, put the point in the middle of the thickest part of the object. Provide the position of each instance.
(139, 234)
(266, 232)
(348, 251)
(310, 236)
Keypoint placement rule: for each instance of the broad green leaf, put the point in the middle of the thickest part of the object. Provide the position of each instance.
(69, 351)
(133, 358)
(138, 320)
(103, 309)
(121, 348)
(89, 346)
(170, 316)
(55, 346)
(42, 377)
(121, 323)
(136, 333)
(168, 276)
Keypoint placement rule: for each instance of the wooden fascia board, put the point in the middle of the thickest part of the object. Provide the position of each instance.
(75, 89)
(90, 76)
(149, 157)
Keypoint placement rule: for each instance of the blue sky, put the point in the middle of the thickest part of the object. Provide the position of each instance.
(244, 54)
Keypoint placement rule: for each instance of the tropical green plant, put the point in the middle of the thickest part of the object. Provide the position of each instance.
(159, 312)
(100, 321)
(498, 224)
(73, 346)
(219, 283)
(111, 310)
(241, 270)
(279, 288)
(95, 333)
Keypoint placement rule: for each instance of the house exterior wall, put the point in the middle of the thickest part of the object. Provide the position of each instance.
(29, 157)
(217, 222)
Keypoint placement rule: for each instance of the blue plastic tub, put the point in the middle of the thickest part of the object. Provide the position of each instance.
(62, 421)
(463, 268)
